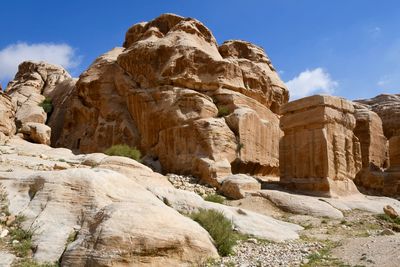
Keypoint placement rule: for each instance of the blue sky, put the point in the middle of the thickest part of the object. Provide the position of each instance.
(349, 48)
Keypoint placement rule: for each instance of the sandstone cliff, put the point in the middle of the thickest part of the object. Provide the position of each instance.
(195, 107)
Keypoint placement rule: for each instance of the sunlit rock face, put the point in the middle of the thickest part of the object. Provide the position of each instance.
(319, 152)
(185, 102)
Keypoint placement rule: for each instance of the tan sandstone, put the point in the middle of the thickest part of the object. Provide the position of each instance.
(184, 101)
(387, 106)
(7, 115)
(319, 152)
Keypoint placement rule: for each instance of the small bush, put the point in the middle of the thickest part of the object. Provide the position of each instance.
(32, 263)
(223, 111)
(124, 151)
(47, 105)
(387, 218)
(215, 198)
(220, 229)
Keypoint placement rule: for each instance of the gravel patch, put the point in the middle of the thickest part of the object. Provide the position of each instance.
(259, 253)
(192, 184)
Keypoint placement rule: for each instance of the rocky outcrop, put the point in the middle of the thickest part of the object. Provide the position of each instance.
(33, 83)
(373, 150)
(184, 101)
(392, 178)
(7, 116)
(104, 210)
(388, 108)
(114, 219)
(319, 152)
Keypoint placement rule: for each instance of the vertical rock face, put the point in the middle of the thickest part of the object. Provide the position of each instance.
(370, 133)
(182, 100)
(7, 115)
(34, 82)
(373, 149)
(388, 108)
(375, 180)
(319, 152)
(392, 179)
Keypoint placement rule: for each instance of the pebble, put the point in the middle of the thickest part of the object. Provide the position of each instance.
(3, 233)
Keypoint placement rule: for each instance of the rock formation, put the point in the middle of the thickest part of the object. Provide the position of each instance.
(118, 211)
(7, 116)
(375, 179)
(373, 149)
(392, 179)
(185, 102)
(388, 108)
(33, 83)
(319, 152)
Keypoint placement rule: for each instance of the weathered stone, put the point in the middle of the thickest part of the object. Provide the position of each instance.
(161, 93)
(33, 82)
(36, 132)
(236, 186)
(300, 204)
(115, 219)
(369, 132)
(319, 152)
(392, 174)
(388, 108)
(388, 210)
(7, 115)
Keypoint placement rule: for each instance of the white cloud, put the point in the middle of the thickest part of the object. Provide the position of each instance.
(12, 55)
(311, 82)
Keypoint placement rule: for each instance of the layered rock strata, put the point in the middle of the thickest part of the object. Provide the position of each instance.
(189, 105)
(319, 153)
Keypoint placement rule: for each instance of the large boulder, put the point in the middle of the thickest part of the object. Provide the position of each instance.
(33, 83)
(184, 101)
(7, 116)
(319, 152)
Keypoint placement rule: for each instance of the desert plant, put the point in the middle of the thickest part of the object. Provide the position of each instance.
(215, 198)
(124, 151)
(219, 227)
(47, 105)
(222, 111)
(387, 218)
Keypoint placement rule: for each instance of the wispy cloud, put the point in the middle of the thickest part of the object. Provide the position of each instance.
(311, 82)
(12, 55)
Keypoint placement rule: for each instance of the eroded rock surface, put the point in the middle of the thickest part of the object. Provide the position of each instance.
(319, 152)
(388, 108)
(184, 101)
(114, 207)
(33, 83)
(7, 116)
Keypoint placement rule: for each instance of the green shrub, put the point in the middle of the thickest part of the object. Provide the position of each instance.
(47, 105)
(124, 151)
(24, 246)
(219, 227)
(387, 218)
(32, 263)
(222, 111)
(215, 198)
